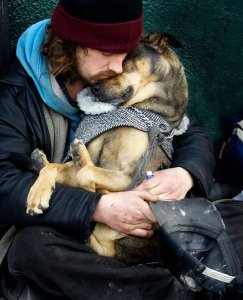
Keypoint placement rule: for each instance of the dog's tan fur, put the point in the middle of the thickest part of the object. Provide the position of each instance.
(153, 79)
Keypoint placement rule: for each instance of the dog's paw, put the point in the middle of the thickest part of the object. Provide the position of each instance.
(40, 193)
(38, 200)
(39, 157)
(75, 149)
(40, 203)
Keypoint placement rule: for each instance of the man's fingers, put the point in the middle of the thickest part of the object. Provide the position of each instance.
(156, 199)
(149, 185)
(142, 233)
(145, 195)
(169, 197)
(144, 226)
(164, 196)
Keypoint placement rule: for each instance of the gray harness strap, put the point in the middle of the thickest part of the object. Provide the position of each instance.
(156, 138)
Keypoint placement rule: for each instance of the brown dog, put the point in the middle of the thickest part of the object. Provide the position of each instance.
(153, 82)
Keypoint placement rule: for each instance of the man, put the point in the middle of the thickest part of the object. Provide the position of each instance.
(85, 41)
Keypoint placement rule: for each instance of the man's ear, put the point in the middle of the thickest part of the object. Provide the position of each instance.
(160, 41)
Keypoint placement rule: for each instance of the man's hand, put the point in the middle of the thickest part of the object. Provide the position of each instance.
(168, 184)
(127, 212)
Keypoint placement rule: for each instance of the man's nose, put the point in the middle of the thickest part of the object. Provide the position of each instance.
(115, 64)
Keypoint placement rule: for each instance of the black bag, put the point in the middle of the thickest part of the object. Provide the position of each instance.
(196, 248)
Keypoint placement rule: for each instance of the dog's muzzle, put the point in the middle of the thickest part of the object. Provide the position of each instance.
(97, 90)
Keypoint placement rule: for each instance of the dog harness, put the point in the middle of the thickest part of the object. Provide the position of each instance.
(157, 127)
(159, 130)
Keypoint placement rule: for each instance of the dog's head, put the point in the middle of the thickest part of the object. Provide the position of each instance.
(153, 78)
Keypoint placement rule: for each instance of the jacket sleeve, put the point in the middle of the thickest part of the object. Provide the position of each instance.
(70, 208)
(194, 152)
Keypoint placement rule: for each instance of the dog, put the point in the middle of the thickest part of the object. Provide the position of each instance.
(153, 82)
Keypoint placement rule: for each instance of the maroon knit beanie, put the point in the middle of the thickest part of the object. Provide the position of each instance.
(112, 26)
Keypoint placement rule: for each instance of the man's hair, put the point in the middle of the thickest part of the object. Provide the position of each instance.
(61, 55)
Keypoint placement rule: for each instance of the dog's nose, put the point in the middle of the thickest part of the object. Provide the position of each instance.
(96, 89)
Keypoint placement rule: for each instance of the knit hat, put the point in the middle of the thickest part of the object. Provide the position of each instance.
(112, 26)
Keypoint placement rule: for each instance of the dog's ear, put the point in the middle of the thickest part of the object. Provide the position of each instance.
(160, 41)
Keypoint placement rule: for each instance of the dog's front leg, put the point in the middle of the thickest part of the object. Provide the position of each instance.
(80, 154)
(81, 158)
(104, 179)
(40, 193)
(94, 178)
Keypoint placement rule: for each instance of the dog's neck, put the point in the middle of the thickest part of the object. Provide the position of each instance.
(90, 105)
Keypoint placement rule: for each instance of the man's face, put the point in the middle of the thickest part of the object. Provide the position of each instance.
(94, 65)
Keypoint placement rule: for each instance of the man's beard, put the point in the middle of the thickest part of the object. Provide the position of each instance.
(99, 77)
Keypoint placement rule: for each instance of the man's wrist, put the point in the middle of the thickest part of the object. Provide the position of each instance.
(98, 215)
(187, 177)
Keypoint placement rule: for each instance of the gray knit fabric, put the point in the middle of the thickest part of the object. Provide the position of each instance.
(92, 126)
(58, 128)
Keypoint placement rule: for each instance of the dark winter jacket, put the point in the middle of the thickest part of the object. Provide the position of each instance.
(23, 128)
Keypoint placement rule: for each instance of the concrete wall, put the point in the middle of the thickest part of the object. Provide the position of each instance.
(212, 34)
